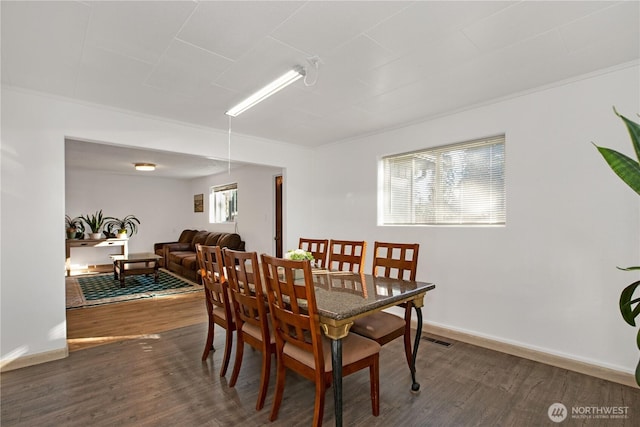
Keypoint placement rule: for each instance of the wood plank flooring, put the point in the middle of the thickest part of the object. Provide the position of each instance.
(144, 373)
(91, 326)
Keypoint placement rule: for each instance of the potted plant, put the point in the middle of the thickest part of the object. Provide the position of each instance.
(121, 227)
(629, 171)
(95, 223)
(73, 227)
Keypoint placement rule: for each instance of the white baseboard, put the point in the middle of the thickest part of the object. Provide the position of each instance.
(33, 359)
(608, 374)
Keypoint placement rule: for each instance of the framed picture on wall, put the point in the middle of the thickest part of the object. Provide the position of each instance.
(198, 203)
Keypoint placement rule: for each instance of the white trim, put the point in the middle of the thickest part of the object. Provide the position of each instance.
(537, 355)
(33, 359)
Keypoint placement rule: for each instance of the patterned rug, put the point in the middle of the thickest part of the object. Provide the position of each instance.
(83, 291)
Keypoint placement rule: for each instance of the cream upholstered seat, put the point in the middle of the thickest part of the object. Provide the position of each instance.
(389, 260)
(300, 345)
(251, 314)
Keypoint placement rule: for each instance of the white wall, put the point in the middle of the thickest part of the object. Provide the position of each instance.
(163, 206)
(34, 128)
(256, 206)
(548, 279)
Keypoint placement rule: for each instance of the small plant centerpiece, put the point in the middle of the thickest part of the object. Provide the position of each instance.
(121, 227)
(299, 255)
(95, 223)
(73, 227)
(629, 171)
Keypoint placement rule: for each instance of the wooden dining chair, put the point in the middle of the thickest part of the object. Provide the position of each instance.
(398, 260)
(318, 249)
(219, 308)
(347, 255)
(251, 315)
(300, 345)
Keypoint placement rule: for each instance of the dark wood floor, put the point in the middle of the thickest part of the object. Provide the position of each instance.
(157, 379)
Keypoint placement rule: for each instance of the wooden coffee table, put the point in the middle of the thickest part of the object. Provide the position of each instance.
(135, 264)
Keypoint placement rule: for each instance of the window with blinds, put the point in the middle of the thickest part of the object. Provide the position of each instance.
(223, 203)
(455, 184)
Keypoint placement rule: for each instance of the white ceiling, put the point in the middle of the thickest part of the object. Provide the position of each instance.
(383, 64)
(112, 159)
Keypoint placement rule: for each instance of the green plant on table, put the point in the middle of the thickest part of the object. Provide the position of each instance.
(128, 224)
(298, 254)
(73, 226)
(95, 221)
(629, 171)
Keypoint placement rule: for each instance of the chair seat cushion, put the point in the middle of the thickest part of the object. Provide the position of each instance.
(377, 325)
(255, 331)
(220, 313)
(354, 348)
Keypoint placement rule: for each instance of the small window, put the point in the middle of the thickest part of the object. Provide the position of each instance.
(223, 203)
(454, 184)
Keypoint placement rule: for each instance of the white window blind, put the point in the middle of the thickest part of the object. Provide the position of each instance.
(223, 203)
(454, 184)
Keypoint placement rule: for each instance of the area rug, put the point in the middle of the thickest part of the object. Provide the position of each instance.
(83, 291)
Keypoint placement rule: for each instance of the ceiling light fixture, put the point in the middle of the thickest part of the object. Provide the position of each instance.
(278, 84)
(145, 166)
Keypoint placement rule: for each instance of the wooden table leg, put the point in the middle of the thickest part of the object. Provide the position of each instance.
(122, 275)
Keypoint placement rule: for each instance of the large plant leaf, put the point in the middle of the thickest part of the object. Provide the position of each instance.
(634, 132)
(629, 312)
(629, 268)
(625, 167)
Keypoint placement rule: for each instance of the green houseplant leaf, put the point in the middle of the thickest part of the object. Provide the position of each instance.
(625, 167)
(629, 171)
(129, 224)
(629, 312)
(634, 132)
(94, 221)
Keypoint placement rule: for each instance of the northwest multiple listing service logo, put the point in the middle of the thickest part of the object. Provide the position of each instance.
(557, 412)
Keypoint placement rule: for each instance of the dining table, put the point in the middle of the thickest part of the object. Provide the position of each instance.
(343, 296)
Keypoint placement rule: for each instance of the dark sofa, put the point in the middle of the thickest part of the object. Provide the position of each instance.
(180, 257)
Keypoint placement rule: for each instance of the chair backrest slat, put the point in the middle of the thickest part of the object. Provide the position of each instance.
(245, 284)
(347, 255)
(317, 247)
(213, 275)
(293, 306)
(396, 260)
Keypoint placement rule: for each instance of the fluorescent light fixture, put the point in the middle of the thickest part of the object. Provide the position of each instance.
(280, 83)
(145, 166)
